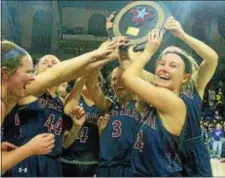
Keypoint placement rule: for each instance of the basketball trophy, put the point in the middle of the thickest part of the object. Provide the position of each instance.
(137, 19)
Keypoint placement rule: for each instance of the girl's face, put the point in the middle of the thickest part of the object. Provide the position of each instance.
(170, 72)
(61, 90)
(47, 62)
(18, 81)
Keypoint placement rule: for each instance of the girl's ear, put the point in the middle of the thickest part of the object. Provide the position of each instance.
(4, 73)
(186, 78)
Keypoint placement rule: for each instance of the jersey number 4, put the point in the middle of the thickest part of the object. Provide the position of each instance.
(57, 127)
(83, 135)
(139, 142)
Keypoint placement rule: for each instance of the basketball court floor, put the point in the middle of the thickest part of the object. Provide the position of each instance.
(218, 167)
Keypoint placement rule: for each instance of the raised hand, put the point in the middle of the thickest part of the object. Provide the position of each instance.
(78, 115)
(6, 146)
(154, 41)
(121, 42)
(114, 54)
(109, 21)
(174, 27)
(133, 55)
(41, 144)
(105, 49)
(103, 121)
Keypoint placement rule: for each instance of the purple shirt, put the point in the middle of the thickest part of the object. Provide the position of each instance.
(217, 134)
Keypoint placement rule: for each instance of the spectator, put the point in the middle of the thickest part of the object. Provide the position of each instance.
(204, 134)
(206, 125)
(220, 102)
(217, 116)
(221, 84)
(206, 137)
(210, 127)
(214, 121)
(211, 96)
(217, 136)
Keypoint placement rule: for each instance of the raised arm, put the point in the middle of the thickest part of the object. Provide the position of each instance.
(72, 109)
(92, 80)
(96, 93)
(72, 68)
(163, 99)
(73, 97)
(145, 55)
(125, 59)
(210, 58)
(78, 117)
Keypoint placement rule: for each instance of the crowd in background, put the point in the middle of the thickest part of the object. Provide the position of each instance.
(213, 120)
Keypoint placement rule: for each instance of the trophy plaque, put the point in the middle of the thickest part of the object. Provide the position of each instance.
(137, 19)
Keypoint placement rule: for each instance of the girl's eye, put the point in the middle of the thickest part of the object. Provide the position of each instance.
(162, 63)
(173, 65)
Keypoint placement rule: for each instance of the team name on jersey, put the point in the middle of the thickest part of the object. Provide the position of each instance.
(150, 121)
(126, 112)
(92, 117)
(50, 103)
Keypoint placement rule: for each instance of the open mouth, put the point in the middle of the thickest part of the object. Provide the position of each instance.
(164, 77)
(119, 88)
(28, 82)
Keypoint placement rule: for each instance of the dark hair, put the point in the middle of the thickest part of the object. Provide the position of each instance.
(11, 55)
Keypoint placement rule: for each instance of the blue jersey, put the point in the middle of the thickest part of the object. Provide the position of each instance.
(11, 131)
(193, 151)
(156, 151)
(44, 115)
(119, 136)
(52, 121)
(85, 149)
(21, 124)
(192, 125)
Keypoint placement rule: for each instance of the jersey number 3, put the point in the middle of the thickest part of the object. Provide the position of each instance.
(116, 128)
(57, 127)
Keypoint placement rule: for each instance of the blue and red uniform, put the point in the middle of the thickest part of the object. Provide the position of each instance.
(117, 141)
(194, 153)
(81, 158)
(156, 151)
(43, 115)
